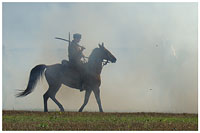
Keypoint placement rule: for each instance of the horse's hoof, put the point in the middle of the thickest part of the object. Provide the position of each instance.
(62, 109)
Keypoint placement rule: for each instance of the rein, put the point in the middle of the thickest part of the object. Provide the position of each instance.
(105, 62)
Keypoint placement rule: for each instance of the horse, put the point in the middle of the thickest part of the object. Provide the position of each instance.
(65, 73)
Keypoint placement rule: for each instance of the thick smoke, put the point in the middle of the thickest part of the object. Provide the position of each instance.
(155, 45)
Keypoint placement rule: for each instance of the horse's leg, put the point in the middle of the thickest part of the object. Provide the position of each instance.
(87, 95)
(97, 96)
(56, 101)
(46, 97)
(52, 94)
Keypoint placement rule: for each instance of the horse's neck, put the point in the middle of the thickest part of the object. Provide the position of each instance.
(95, 62)
(95, 66)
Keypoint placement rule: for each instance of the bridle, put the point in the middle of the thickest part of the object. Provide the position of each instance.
(105, 62)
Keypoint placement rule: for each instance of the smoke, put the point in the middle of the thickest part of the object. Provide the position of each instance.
(155, 45)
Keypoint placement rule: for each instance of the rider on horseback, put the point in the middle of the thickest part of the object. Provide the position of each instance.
(75, 51)
(75, 54)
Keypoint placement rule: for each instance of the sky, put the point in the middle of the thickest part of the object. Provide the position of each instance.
(155, 45)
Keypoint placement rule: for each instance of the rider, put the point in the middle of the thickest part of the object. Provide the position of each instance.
(75, 54)
(75, 51)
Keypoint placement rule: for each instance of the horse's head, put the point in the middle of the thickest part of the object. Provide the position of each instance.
(100, 57)
(106, 55)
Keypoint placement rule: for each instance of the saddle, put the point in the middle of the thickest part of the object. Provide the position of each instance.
(65, 63)
(79, 66)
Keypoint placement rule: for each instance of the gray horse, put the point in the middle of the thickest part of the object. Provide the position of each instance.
(66, 74)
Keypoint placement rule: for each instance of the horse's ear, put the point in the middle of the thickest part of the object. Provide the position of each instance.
(100, 46)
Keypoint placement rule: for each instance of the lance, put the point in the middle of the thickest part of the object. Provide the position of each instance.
(62, 39)
(69, 41)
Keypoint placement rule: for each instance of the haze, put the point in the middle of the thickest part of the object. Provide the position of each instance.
(155, 45)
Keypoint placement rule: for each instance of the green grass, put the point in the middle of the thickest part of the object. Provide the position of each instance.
(108, 118)
(99, 121)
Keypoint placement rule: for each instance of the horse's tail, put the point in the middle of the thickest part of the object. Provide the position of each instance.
(35, 75)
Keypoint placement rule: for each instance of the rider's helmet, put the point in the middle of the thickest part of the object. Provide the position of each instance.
(77, 36)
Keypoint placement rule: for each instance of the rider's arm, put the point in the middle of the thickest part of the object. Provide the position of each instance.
(82, 48)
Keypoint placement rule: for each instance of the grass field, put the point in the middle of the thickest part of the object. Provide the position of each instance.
(30, 120)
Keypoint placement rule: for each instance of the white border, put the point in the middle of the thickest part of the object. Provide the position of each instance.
(98, 1)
